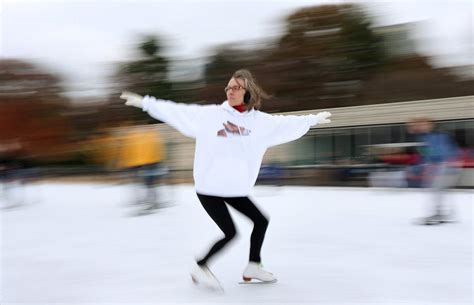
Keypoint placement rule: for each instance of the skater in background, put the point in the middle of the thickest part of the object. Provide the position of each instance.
(438, 168)
(13, 174)
(231, 140)
(140, 154)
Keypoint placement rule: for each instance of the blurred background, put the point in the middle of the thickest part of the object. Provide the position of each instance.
(376, 65)
(75, 162)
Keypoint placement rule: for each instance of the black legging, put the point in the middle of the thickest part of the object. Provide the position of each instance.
(216, 208)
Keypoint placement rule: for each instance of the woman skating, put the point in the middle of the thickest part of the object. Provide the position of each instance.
(231, 140)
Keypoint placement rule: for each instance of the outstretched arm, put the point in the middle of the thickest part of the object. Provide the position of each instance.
(183, 117)
(286, 128)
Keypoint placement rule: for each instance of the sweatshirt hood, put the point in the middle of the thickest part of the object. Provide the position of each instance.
(235, 112)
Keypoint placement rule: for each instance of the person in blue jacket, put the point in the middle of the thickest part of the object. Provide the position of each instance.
(439, 168)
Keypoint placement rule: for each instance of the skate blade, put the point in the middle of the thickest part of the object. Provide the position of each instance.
(258, 282)
(211, 288)
(141, 213)
(424, 222)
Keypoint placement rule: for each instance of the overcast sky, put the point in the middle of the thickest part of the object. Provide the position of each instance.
(82, 39)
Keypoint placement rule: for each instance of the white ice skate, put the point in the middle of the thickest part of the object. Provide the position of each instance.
(254, 271)
(202, 276)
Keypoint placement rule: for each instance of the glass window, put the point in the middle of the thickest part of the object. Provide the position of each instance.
(361, 138)
(469, 134)
(304, 151)
(447, 127)
(398, 134)
(380, 135)
(324, 148)
(342, 146)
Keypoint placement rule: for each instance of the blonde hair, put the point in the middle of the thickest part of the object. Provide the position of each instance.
(251, 86)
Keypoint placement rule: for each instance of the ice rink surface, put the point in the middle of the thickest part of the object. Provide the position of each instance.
(79, 243)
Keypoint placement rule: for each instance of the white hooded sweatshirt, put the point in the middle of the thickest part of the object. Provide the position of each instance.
(229, 144)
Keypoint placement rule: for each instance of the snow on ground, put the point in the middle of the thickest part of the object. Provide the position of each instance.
(78, 243)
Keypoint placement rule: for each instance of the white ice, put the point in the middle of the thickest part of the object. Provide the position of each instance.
(76, 243)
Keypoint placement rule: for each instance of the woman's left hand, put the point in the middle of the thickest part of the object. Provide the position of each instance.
(321, 118)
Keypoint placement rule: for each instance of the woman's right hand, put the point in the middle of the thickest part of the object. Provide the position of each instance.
(132, 99)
